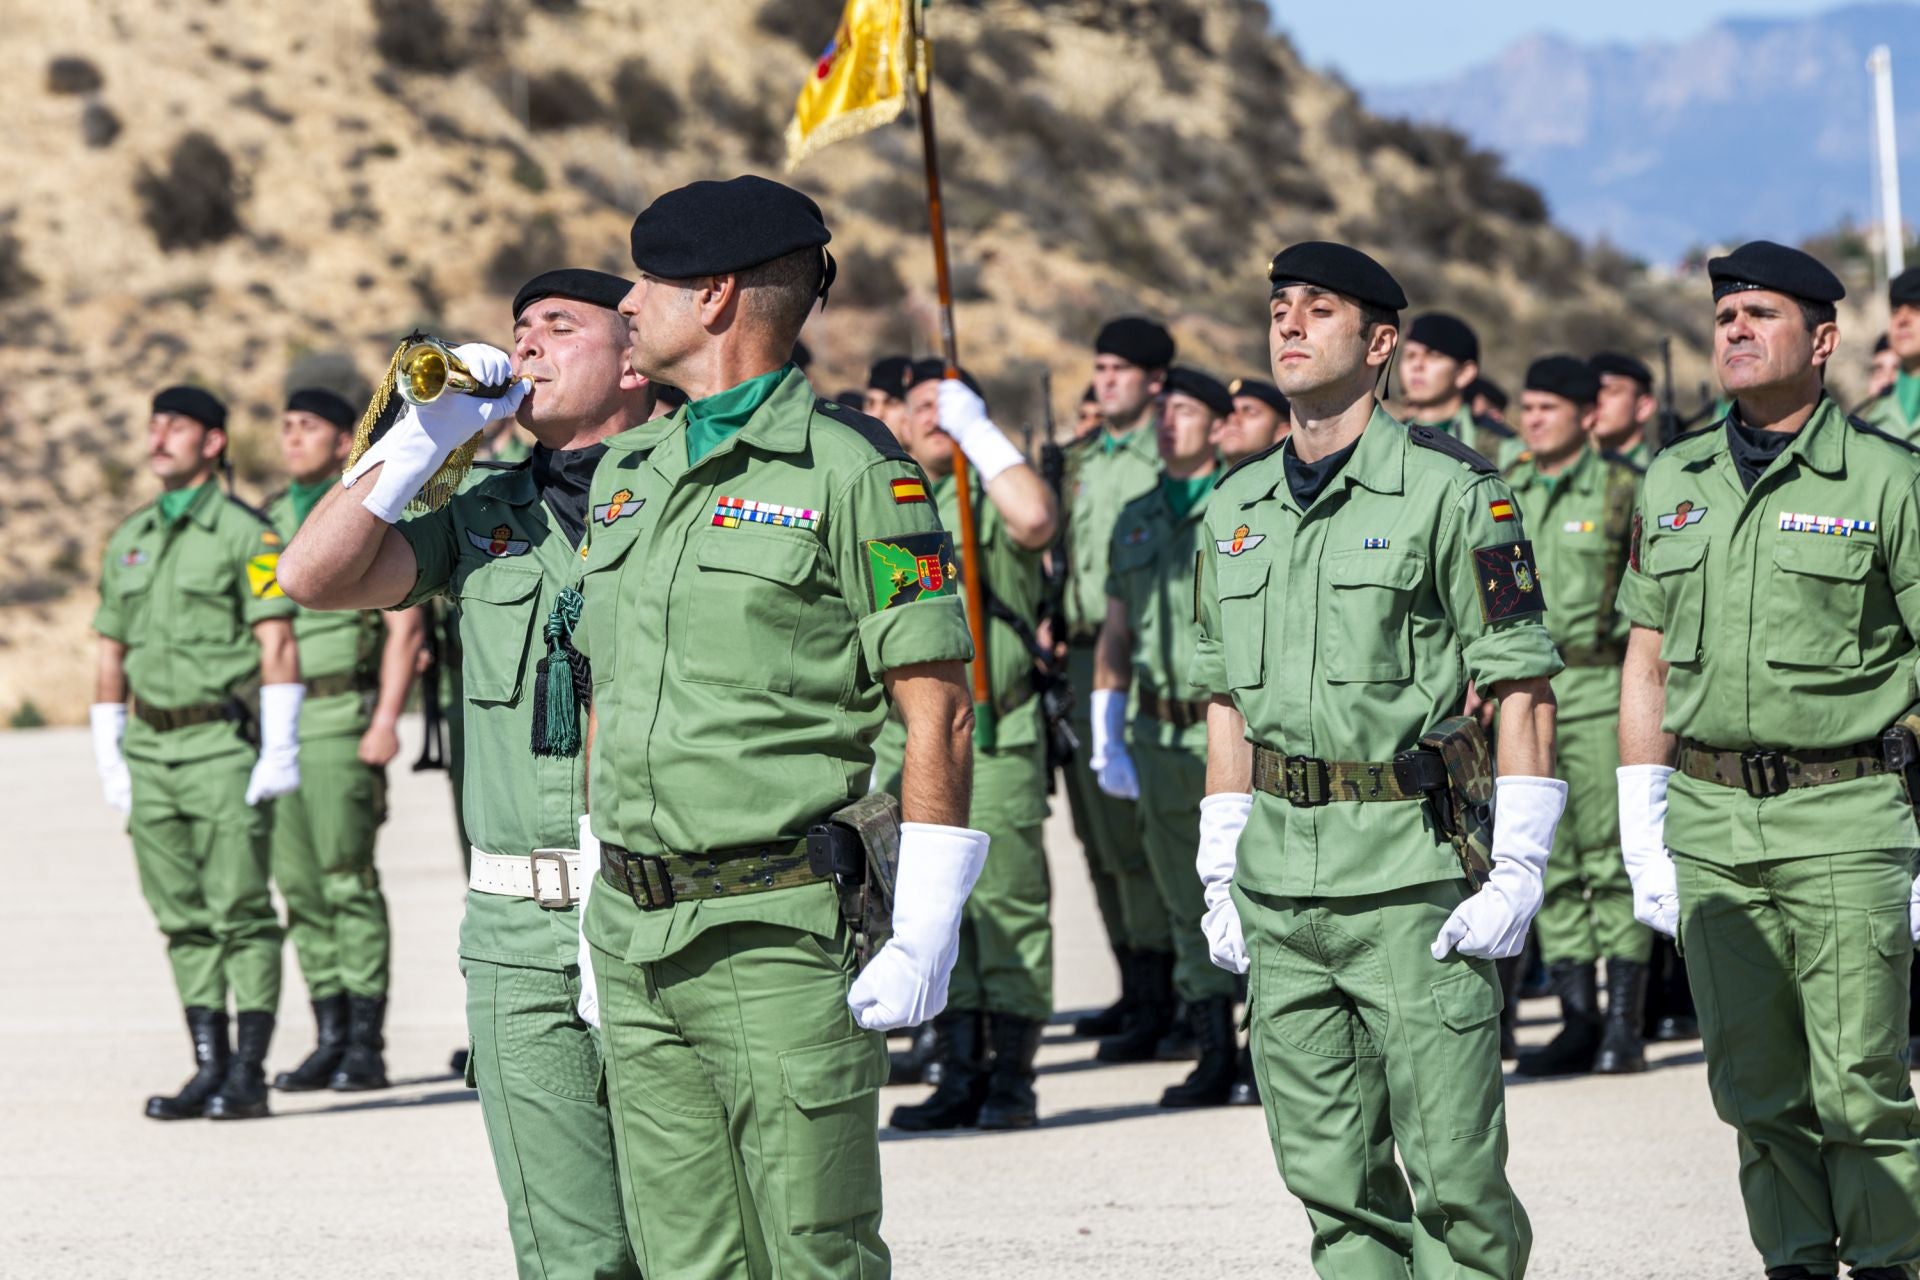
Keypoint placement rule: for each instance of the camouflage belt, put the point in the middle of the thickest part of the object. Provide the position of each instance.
(1593, 655)
(1763, 773)
(658, 880)
(1307, 782)
(167, 719)
(338, 683)
(1178, 712)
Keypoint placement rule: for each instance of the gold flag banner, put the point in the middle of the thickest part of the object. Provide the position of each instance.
(860, 82)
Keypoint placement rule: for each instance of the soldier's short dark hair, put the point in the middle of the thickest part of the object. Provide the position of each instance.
(1817, 313)
(782, 292)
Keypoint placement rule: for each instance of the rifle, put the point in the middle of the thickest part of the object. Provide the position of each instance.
(1666, 423)
(1050, 677)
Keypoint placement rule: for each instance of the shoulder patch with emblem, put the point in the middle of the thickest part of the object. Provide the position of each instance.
(872, 430)
(1507, 581)
(499, 541)
(263, 576)
(1441, 442)
(910, 567)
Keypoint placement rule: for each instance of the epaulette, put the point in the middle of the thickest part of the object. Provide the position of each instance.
(1622, 460)
(1441, 442)
(872, 430)
(1494, 425)
(1252, 457)
(251, 510)
(273, 497)
(1520, 460)
(1861, 424)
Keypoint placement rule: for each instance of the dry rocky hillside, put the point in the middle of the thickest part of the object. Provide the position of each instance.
(236, 191)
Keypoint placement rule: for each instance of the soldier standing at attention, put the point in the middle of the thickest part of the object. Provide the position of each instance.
(191, 615)
(1107, 469)
(1258, 421)
(1355, 580)
(1897, 411)
(357, 674)
(1147, 644)
(1625, 407)
(1578, 503)
(507, 547)
(1774, 592)
(785, 578)
(1439, 363)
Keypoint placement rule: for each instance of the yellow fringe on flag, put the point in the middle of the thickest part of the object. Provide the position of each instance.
(859, 83)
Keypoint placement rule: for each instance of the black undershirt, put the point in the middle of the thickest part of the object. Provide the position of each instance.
(562, 478)
(1754, 450)
(1306, 480)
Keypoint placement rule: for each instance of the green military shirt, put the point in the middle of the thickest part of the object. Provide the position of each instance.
(1153, 563)
(1104, 473)
(1898, 411)
(740, 613)
(183, 595)
(1012, 574)
(1581, 521)
(1787, 619)
(498, 553)
(1346, 630)
(1494, 441)
(332, 644)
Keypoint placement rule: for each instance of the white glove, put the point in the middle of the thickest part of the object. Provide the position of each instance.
(1643, 845)
(424, 435)
(905, 983)
(1222, 818)
(963, 415)
(589, 1003)
(1492, 924)
(109, 725)
(277, 771)
(1913, 910)
(1111, 765)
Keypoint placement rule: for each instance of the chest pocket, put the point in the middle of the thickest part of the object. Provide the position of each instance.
(1678, 564)
(208, 610)
(1366, 628)
(497, 604)
(1242, 586)
(741, 608)
(1816, 599)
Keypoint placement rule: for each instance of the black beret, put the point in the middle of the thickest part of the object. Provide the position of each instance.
(933, 368)
(852, 396)
(802, 355)
(1493, 392)
(1448, 334)
(1882, 343)
(1087, 396)
(715, 228)
(1904, 289)
(1259, 390)
(1624, 365)
(672, 397)
(322, 403)
(1205, 388)
(1762, 264)
(1136, 340)
(1340, 268)
(596, 288)
(191, 402)
(891, 375)
(1564, 376)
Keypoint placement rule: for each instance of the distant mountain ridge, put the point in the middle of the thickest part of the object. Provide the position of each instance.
(1754, 127)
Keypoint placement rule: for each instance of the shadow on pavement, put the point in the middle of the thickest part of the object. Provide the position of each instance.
(1048, 1120)
(386, 1102)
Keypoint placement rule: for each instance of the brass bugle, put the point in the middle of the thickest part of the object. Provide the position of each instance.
(428, 369)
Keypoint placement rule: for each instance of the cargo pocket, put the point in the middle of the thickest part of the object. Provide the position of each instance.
(1467, 1095)
(544, 1041)
(1367, 624)
(832, 1116)
(1677, 562)
(497, 605)
(1815, 601)
(740, 611)
(1242, 587)
(1884, 999)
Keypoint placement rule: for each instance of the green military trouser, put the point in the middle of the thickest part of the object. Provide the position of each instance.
(1587, 914)
(746, 1106)
(201, 850)
(323, 838)
(1800, 969)
(1005, 962)
(1172, 781)
(1109, 832)
(1363, 1044)
(537, 1067)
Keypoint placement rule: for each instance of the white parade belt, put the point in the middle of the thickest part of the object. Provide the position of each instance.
(549, 876)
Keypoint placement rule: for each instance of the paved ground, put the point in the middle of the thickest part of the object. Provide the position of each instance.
(1627, 1177)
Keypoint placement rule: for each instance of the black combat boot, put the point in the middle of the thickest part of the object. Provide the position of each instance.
(1880, 1273)
(1111, 1020)
(1571, 1052)
(1246, 1089)
(956, 1103)
(1800, 1273)
(1508, 971)
(243, 1094)
(361, 1066)
(208, 1028)
(1010, 1102)
(330, 1018)
(1622, 1050)
(910, 1065)
(1670, 1012)
(1211, 1084)
(1152, 1015)
(1182, 1041)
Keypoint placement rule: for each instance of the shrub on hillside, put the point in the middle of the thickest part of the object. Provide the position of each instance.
(540, 246)
(647, 107)
(414, 34)
(808, 23)
(746, 118)
(196, 200)
(868, 279)
(15, 280)
(71, 73)
(560, 99)
(98, 125)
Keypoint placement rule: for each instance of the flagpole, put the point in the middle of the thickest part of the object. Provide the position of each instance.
(984, 727)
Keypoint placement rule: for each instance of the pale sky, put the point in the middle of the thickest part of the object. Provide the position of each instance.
(1399, 41)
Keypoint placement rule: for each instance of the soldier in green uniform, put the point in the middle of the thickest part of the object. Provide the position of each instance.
(1355, 579)
(1579, 502)
(1774, 591)
(1625, 407)
(886, 395)
(1439, 363)
(357, 675)
(1487, 399)
(191, 617)
(508, 548)
(1259, 420)
(1001, 993)
(784, 579)
(1897, 412)
(1160, 759)
(1106, 470)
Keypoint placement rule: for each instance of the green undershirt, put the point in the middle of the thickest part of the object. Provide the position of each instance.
(1906, 390)
(712, 420)
(1184, 495)
(306, 497)
(174, 502)
(1111, 443)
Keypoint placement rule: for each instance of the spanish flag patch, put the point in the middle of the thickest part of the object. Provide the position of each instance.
(905, 491)
(1501, 511)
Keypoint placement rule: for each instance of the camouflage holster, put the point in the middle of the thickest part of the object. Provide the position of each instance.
(1453, 769)
(860, 847)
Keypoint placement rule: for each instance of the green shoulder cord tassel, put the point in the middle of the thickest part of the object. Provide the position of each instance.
(558, 682)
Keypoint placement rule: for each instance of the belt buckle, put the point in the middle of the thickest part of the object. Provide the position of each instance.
(1763, 773)
(1309, 781)
(640, 888)
(558, 857)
